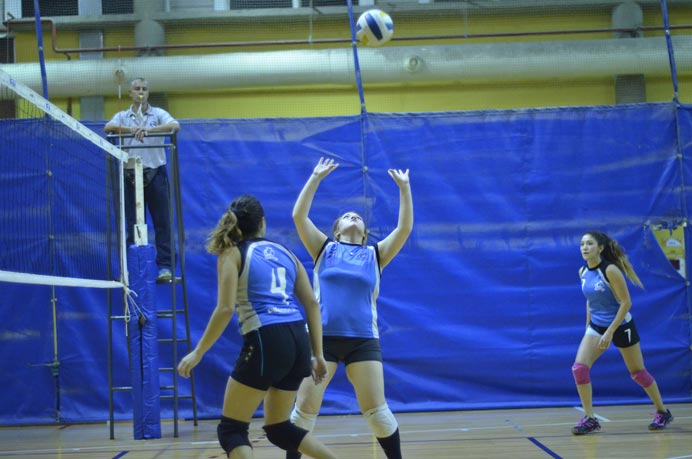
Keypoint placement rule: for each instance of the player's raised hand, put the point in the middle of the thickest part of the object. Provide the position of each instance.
(399, 176)
(324, 167)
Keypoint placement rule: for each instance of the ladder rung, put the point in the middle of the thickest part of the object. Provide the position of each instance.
(178, 280)
(166, 369)
(171, 397)
(173, 340)
(169, 312)
(121, 388)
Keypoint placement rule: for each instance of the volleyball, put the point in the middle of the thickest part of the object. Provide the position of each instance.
(374, 28)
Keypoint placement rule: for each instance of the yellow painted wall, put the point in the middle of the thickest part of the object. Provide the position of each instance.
(330, 101)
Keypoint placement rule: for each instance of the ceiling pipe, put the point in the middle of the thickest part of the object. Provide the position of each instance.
(393, 65)
(157, 49)
(403, 8)
(16, 24)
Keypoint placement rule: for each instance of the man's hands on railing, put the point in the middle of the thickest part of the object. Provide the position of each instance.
(139, 133)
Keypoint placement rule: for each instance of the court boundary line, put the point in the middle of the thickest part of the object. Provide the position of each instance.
(165, 443)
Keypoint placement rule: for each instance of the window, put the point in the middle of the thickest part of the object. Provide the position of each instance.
(6, 50)
(8, 108)
(50, 8)
(250, 4)
(117, 6)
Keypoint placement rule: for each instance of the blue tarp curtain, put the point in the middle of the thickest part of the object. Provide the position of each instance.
(481, 309)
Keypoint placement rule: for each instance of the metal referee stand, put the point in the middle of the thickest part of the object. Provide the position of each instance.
(168, 392)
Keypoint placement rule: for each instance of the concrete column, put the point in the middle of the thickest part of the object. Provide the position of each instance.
(629, 88)
(91, 107)
(149, 32)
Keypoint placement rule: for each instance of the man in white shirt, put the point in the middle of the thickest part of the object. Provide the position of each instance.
(140, 121)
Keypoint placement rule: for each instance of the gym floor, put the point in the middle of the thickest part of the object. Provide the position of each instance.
(487, 434)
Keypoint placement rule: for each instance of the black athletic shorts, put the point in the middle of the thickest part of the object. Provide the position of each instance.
(277, 355)
(349, 350)
(625, 335)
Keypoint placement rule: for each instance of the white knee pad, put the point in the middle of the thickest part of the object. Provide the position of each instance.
(381, 421)
(303, 420)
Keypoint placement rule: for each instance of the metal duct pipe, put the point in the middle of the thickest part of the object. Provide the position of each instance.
(479, 63)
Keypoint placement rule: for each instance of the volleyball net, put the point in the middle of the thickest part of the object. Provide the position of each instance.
(61, 213)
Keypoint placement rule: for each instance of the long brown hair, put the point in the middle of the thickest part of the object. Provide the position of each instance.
(615, 254)
(242, 218)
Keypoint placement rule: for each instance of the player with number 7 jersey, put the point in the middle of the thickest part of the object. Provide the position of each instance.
(608, 320)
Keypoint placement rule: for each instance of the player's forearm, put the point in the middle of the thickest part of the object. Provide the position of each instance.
(620, 316)
(314, 320)
(405, 221)
(218, 322)
(301, 208)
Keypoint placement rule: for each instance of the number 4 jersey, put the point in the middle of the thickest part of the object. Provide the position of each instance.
(265, 285)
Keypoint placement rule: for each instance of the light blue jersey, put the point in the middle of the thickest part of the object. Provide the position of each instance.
(346, 280)
(602, 301)
(265, 285)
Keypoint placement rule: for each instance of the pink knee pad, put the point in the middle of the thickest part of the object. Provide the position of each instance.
(643, 378)
(581, 373)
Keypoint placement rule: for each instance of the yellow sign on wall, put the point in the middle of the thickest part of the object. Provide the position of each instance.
(672, 242)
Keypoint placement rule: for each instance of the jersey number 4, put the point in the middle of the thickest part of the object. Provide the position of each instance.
(279, 282)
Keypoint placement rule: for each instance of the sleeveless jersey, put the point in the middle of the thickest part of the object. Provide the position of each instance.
(265, 285)
(346, 280)
(602, 301)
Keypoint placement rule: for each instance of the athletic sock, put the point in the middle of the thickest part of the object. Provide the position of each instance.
(391, 445)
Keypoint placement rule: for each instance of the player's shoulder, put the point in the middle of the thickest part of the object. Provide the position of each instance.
(611, 269)
(268, 244)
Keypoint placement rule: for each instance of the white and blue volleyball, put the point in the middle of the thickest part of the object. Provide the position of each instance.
(374, 28)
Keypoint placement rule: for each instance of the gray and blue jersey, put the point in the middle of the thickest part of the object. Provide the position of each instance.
(603, 304)
(265, 285)
(346, 280)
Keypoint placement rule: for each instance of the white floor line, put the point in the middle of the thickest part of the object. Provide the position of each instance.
(600, 418)
(165, 444)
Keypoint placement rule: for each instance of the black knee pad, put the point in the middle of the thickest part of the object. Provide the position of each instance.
(233, 434)
(285, 435)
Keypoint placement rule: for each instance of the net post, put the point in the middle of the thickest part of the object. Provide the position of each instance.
(140, 229)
